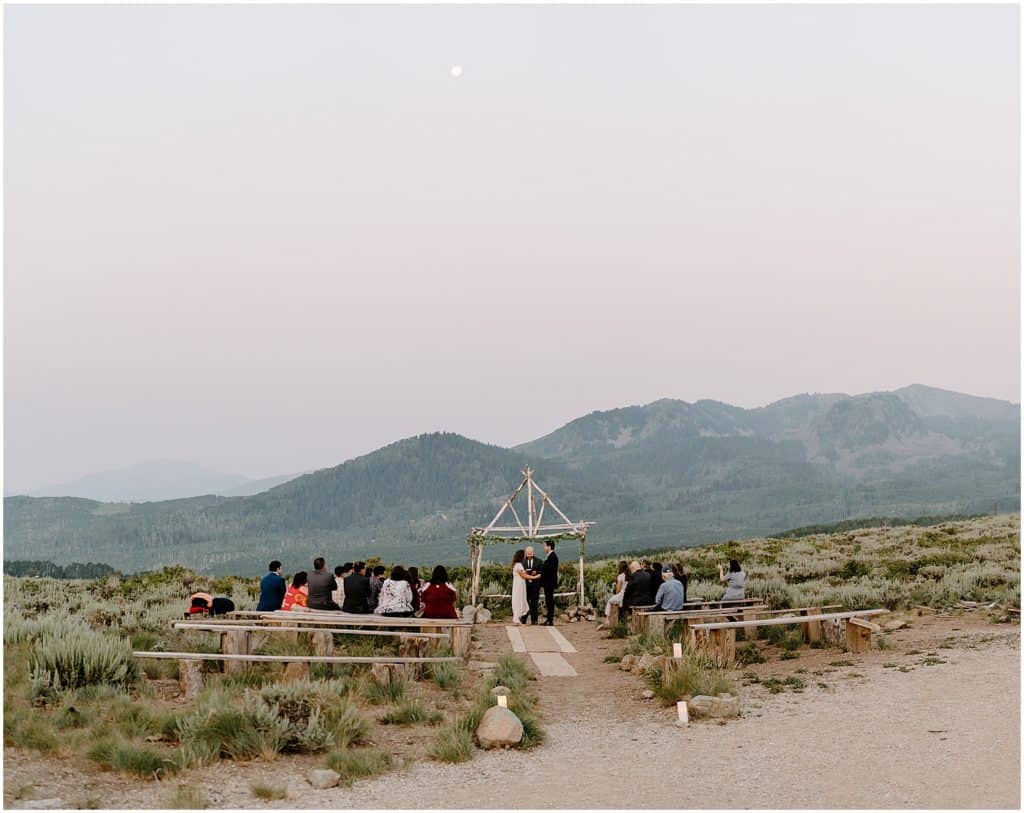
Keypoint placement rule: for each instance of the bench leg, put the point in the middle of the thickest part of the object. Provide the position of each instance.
(460, 640)
(190, 678)
(655, 625)
(413, 648)
(813, 631)
(296, 670)
(858, 639)
(234, 643)
(323, 643)
(613, 615)
(723, 646)
(750, 633)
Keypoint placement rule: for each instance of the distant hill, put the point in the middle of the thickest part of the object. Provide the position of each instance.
(667, 474)
(159, 480)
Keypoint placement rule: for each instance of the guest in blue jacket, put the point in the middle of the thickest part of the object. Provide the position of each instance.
(272, 589)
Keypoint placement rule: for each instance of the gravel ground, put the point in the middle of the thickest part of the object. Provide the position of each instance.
(939, 736)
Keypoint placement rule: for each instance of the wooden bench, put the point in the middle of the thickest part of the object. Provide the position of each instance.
(720, 637)
(190, 675)
(459, 632)
(654, 621)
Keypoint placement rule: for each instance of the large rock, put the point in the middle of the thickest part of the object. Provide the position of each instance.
(705, 705)
(626, 664)
(892, 626)
(468, 613)
(500, 690)
(483, 615)
(323, 778)
(498, 728)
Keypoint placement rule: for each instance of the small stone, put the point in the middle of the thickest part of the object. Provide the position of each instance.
(468, 612)
(500, 690)
(41, 804)
(499, 727)
(892, 626)
(726, 705)
(323, 778)
(645, 664)
(626, 664)
(483, 615)
(647, 694)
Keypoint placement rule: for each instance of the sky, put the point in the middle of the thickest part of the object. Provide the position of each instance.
(267, 239)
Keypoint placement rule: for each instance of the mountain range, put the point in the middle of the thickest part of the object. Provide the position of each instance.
(669, 473)
(159, 480)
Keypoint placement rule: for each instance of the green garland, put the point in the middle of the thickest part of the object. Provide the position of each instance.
(493, 539)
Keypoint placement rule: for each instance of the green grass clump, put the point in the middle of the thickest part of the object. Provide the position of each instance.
(406, 713)
(445, 675)
(261, 790)
(695, 674)
(126, 757)
(788, 655)
(513, 673)
(358, 763)
(453, 743)
(231, 733)
(792, 683)
(619, 630)
(79, 658)
(748, 654)
(384, 694)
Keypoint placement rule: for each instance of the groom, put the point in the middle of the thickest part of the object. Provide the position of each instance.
(532, 567)
(549, 581)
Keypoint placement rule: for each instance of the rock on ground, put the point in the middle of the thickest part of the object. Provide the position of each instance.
(705, 705)
(323, 778)
(499, 727)
(500, 690)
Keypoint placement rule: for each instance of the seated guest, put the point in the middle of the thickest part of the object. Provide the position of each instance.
(735, 581)
(439, 596)
(357, 590)
(620, 587)
(680, 575)
(376, 582)
(272, 589)
(670, 593)
(638, 589)
(296, 595)
(655, 571)
(321, 585)
(413, 574)
(199, 604)
(340, 572)
(395, 595)
(221, 606)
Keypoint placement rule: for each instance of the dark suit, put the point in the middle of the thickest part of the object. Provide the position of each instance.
(357, 593)
(638, 590)
(549, 581)
(533, 587)
(321, 585)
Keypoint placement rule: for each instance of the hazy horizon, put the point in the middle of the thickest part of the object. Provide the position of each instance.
(267, 239)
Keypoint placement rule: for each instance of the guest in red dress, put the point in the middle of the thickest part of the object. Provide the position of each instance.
(439, 597)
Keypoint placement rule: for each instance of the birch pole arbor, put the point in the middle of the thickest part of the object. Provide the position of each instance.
(534, 531)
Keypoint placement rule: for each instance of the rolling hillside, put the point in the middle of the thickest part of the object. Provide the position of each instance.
(669, 473)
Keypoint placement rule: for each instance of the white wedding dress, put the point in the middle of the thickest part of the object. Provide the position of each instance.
(519, 605)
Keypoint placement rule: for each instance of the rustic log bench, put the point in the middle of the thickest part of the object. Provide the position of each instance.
(655, 621)
(720, 637)
(386, 668)
(459, 632)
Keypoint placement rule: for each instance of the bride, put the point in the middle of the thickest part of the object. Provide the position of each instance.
(520, 607)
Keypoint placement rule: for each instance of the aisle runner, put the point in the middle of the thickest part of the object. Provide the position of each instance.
(544, 646)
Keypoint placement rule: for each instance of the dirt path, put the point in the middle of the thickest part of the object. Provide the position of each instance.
(944, 733)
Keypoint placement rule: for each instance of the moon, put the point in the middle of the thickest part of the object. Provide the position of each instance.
(456, 71)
